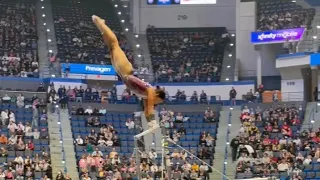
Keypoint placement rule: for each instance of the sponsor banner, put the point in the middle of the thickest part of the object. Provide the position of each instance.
(277, 36)
(162, 2)
(198, 1)
(89, 69)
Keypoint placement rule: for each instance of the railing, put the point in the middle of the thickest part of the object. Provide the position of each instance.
(227, 144)
(311, 117)
(291, 96)
(135, 100)
(57, 109)
(225, 76)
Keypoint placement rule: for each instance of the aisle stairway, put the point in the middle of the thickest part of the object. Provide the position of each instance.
(55, 145)
(221, 143)
(234, 130)
(68, 146)
(311, 114)
(45, 30)
(309, 43)
(61, 144)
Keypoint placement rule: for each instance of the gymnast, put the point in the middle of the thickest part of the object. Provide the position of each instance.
(123, 67)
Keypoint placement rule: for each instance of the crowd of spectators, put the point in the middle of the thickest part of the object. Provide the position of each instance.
(270, 143)
(95, 162)
(283, 14)
(183, 164)
(78, 39)
(180, 55)
(18, 40)
(24, 150)
(106, 137)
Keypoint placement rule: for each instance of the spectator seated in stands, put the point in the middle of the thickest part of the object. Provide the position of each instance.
(194, 97)
(167, 118)
(179, 118)
(209, 115)
(102, 111)
(80, 111)
(283, 14)
(20, 101)
(130, 124)
(203, 97)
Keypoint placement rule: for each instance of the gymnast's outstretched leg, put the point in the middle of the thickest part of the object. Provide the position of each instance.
(118, 58)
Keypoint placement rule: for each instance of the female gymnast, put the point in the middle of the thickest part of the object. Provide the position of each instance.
(123, 67)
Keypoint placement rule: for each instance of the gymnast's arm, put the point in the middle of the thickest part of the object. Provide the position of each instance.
(149, 104)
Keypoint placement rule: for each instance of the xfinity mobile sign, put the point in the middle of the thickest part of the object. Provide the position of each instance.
(277, 36)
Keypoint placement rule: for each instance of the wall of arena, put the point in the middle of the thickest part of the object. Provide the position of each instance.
(179, 16)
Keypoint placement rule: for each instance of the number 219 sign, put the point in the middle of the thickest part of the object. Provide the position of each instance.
(182, 17)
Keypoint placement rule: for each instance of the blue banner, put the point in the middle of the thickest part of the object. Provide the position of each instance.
(277, 36)
(315, 59)
(89, 69)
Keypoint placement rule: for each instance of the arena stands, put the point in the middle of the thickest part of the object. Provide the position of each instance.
(195, 132)
(18, 40)
(188, 54)
(107, 135)
(283, 14)
(78, 39)
(103, 135)
(24, 140)
(271, 143)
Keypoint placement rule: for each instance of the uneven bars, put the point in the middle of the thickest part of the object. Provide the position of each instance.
(151, 130)
(171, 141)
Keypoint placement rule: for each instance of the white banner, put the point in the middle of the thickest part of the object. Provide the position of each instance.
(292, 90)
(198, 1)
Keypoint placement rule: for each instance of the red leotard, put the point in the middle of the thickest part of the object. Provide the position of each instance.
(137, 86)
